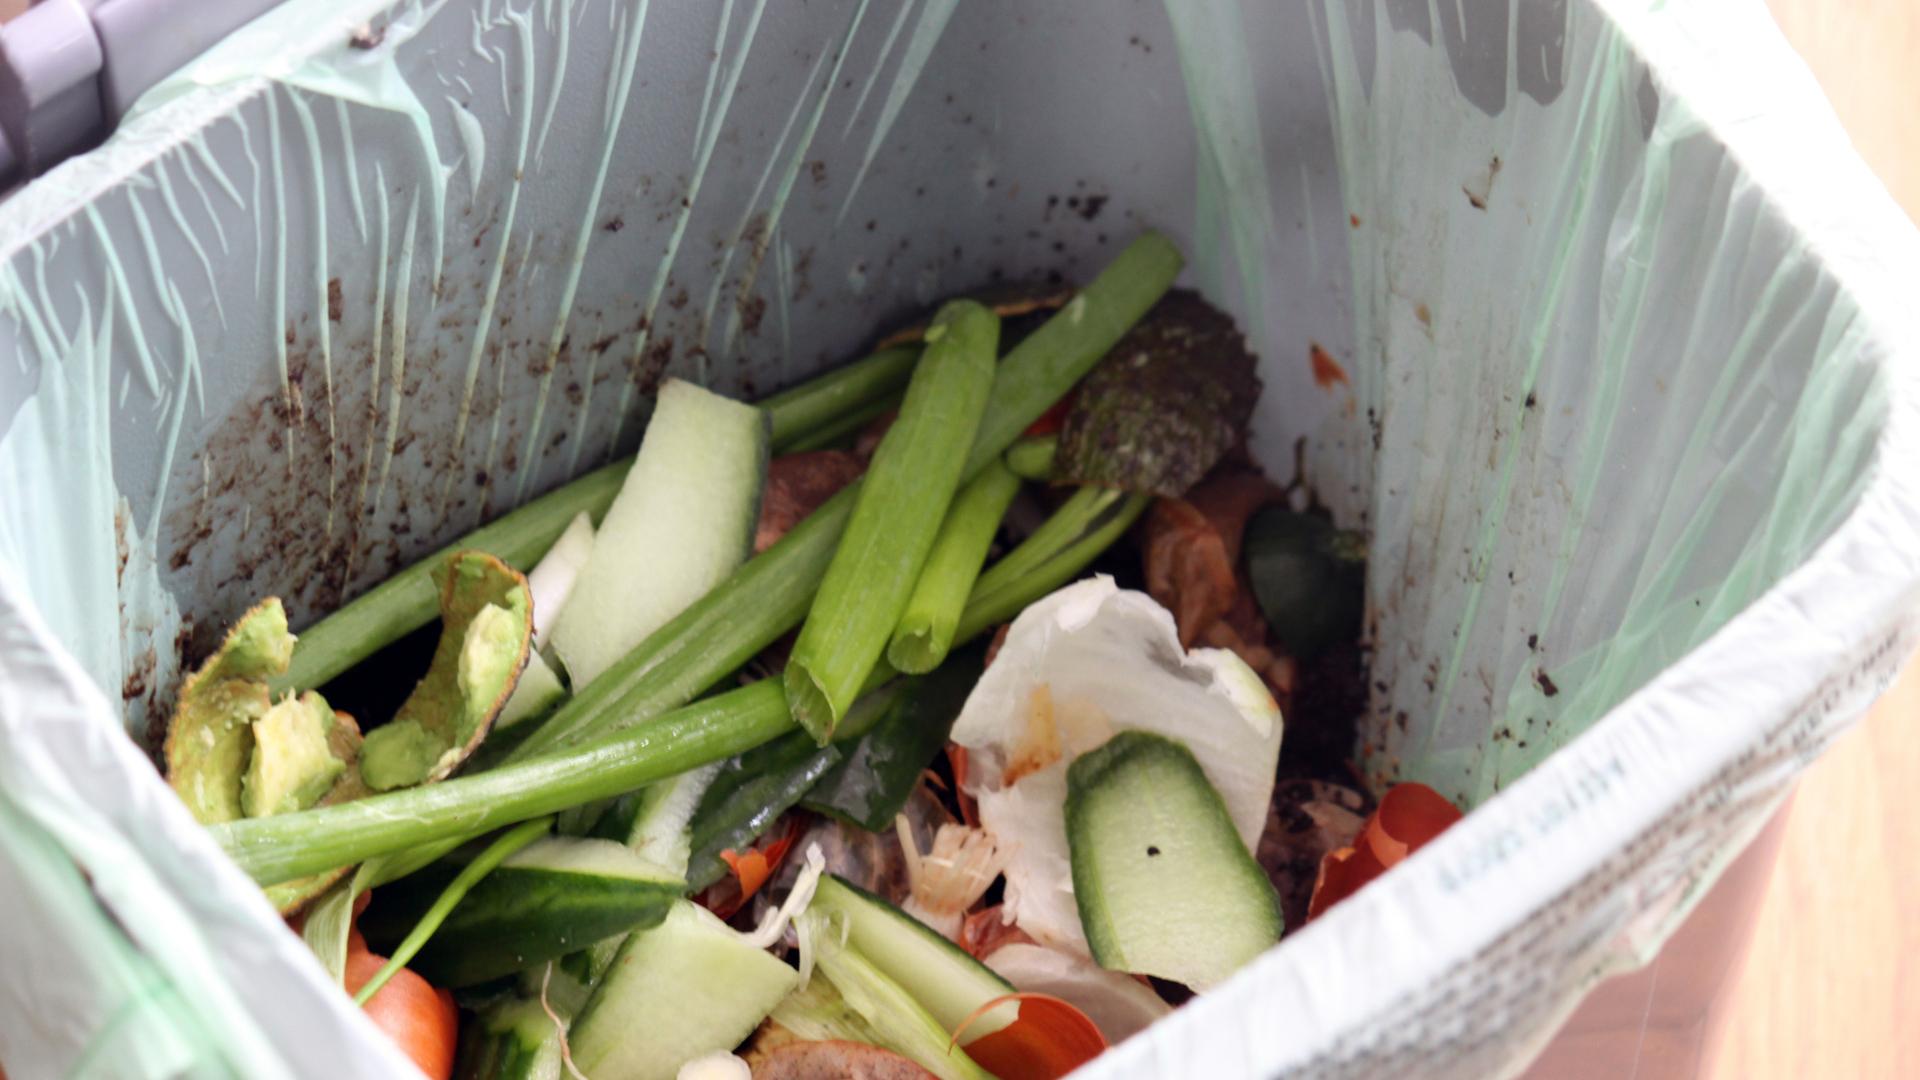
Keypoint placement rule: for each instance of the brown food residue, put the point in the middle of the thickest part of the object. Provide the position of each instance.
(1039, 744)
(1192, 552)
(1547, 686)
(796, 486)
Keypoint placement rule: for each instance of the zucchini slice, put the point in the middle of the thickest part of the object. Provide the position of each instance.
(1164, 884)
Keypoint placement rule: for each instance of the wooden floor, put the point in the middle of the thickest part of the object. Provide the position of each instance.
(1831, 982)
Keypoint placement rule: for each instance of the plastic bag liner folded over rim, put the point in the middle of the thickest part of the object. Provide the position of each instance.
(1585, 313)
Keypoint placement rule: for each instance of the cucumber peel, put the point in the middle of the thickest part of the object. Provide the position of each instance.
(680, 990)
(683, 521)
(1164, 884)
(548, 899)
(903, 1023)
(950, 984)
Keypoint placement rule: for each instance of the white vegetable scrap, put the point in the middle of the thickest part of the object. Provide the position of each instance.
(954, 873)
(551, 581)
(1118, 1004)
(774, 926)
(1079, 666)
(719, 1065)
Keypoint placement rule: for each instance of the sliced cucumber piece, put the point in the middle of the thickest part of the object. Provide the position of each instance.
(685, 988)
(683, 521)
(817, 1013)
(514, 1040)
(903, 1024)
(552, 579)
(654, 821)
(556, 895)
(1164, 884)
(939, 974)
(538, 691)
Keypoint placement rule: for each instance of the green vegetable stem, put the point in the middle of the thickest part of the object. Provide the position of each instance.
(1085, 525)
(509, 842)
(821, 403)
(842, 432)
(896, 518)
(409, 599)
(286, 846)
(771, 593)
(925, 632)
(1032, 458)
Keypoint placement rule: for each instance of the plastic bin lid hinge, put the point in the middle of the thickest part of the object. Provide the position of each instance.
(50, 62)
(69, 69)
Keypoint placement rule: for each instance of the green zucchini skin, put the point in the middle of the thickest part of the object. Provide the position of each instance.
(566, 894)
(941, 976)
(1164, 885)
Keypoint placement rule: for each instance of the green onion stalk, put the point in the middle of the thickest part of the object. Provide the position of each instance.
(926, 628)
(896, 519)
(822, 404)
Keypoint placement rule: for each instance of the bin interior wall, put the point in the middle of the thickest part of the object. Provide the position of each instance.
(347, 313)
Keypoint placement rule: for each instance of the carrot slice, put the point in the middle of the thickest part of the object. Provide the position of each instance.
(1407, 819)
(1049, 1039)
(421, 1020)
(752, 869)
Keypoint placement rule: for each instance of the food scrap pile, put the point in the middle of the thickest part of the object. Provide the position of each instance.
(957, 713)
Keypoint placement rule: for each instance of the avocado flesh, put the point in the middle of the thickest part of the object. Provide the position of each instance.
(293, 764)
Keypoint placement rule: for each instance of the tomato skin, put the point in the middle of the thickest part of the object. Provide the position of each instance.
(421, 1020)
